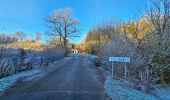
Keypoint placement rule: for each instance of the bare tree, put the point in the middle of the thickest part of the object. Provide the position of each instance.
(4, 40)
(38, 36)
(158, 12)
(61, 23)
(20, 35)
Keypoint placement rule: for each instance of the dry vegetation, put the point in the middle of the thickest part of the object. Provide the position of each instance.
(145, 40)
(18, 55)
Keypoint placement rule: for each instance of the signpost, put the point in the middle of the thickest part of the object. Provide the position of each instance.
(119, 59)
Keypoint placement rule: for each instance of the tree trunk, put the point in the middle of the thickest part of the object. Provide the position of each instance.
(65, 46)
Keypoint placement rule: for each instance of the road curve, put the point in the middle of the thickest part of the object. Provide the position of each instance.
(76, 79)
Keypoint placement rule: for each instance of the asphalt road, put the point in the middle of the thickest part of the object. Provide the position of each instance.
(75, 79)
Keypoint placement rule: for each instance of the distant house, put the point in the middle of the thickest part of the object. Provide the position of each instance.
(75, 51)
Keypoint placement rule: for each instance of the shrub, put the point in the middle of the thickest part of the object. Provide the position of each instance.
(6, 68)
(21, 60)
(51, 54)
(121, 47)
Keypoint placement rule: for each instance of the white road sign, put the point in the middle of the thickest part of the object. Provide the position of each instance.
(119, 59)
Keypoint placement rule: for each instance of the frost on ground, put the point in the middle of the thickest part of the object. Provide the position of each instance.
(91, 57)
(163, 92)
(7, 82)
(119, 92)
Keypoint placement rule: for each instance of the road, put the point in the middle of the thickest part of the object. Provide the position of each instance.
(76, 79)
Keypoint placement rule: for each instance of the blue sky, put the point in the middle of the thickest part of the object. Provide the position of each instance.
(28, 15)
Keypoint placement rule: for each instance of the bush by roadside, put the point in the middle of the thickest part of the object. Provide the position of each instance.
(24, 60)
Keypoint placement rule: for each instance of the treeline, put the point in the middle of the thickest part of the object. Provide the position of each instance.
(145, 40)
(18, 40)
(100, 35)
(135, 31)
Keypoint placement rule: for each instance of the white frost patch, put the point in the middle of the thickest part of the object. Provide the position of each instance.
(163, 92)
(91, 57)
(7, 82)
(118, 92)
